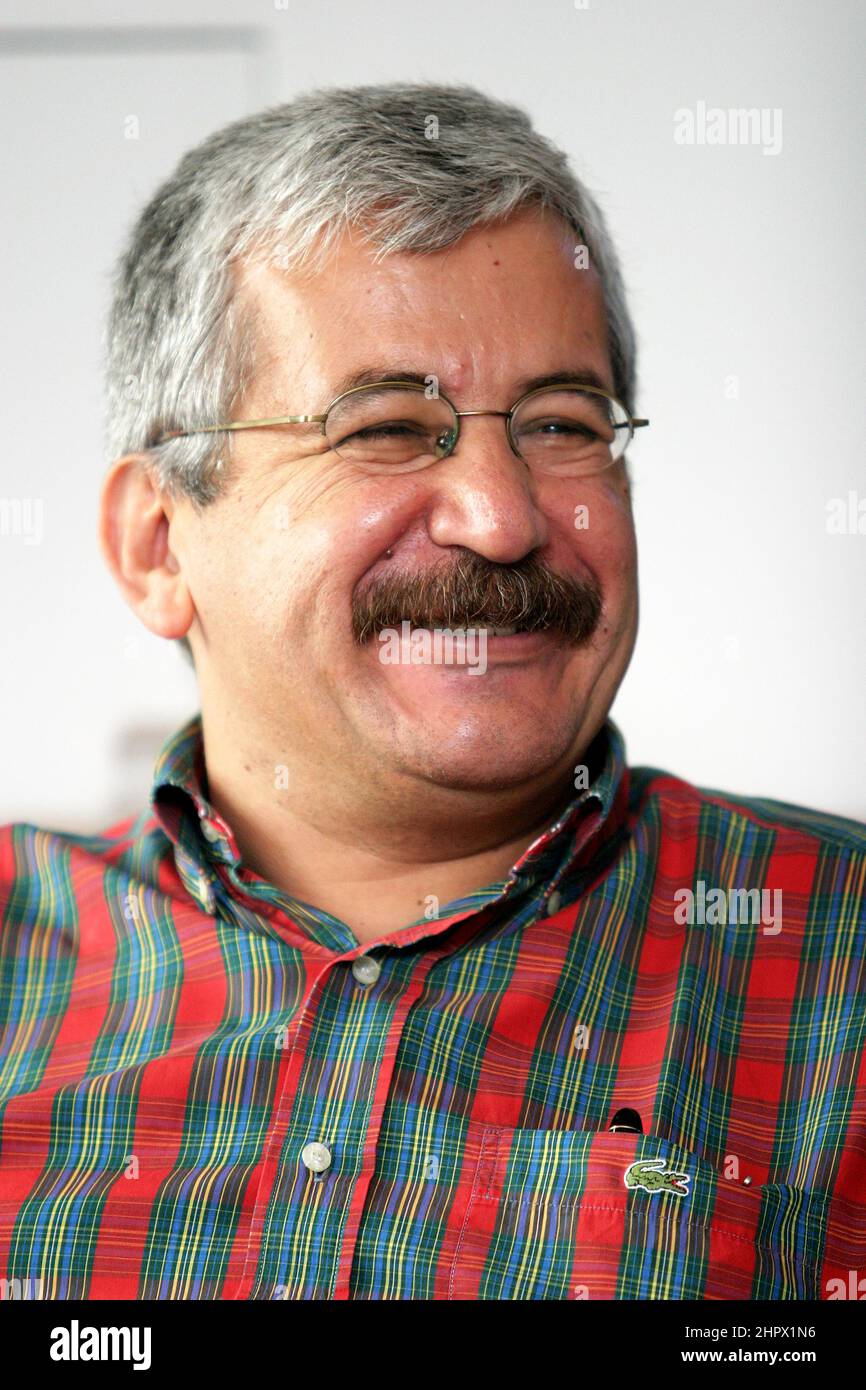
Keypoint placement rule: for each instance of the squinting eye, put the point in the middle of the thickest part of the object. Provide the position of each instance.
(555, 428)
(388, 431)
(570, 427)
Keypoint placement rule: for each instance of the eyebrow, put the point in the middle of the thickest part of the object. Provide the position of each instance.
(368, 376)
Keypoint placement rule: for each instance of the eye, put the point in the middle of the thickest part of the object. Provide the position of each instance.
(560, 428)
(566, 427)
(389, 429)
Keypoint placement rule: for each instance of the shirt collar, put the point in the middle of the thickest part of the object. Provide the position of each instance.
(203, 841)
(589, 822)
(180, 801)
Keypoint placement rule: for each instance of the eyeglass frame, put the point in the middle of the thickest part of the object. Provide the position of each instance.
(632, 422)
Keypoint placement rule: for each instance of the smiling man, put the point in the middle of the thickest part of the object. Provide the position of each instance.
(401, 780)
(404, 985)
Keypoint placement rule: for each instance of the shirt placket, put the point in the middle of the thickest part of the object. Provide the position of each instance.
(320, 1155)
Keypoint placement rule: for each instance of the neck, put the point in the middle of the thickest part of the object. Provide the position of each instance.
(376, 860)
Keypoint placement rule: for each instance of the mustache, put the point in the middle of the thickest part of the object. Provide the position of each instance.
(475, 592)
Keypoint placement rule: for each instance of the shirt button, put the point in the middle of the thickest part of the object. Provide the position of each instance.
(211, 830)
(554, 902)
(366, 970)
(316, 1157)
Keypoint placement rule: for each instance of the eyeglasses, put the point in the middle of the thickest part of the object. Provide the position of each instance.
(572, 430)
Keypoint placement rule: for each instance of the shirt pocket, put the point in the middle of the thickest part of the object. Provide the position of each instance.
(580, 1215)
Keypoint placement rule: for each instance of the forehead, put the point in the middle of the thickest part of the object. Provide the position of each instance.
(503, 303)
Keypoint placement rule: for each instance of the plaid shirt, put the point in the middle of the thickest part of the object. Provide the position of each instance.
(209, 1090)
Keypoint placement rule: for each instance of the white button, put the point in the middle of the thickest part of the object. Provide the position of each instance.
(316, 1157)
(211, 830)
(366, 970)
(554, 902)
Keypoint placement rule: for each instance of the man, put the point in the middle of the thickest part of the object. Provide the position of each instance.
(404, 986)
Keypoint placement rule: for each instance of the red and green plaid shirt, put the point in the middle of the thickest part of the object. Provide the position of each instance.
(209, 1090)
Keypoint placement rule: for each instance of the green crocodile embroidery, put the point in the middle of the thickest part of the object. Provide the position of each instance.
(652, 1176)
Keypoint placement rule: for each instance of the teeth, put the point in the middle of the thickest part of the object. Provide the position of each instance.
(490, 631)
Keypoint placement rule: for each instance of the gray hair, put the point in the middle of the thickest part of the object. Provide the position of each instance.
(415, 166)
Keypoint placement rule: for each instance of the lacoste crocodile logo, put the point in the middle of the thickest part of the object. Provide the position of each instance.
(652, 1175)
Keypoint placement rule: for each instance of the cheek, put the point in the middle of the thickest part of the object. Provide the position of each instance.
(240, 575)
(598, 527)
(326, 522)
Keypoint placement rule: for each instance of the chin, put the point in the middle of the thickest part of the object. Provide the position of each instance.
(481, 754)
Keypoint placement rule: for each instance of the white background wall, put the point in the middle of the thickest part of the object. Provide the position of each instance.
(746, 280)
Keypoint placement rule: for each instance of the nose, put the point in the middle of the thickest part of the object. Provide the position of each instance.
(485, 498)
